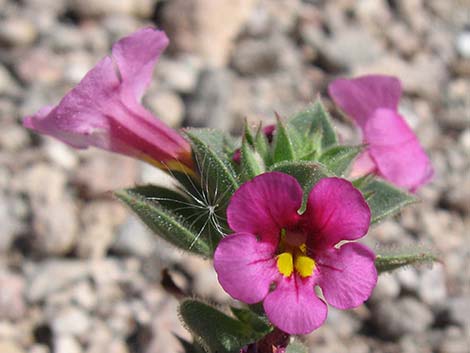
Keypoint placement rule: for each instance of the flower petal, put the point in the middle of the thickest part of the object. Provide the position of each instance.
(396, 150)
(347, 275)
(136, 55)
(265, 204)
(336, 211)
(245, 267)
(294, 307)
(103, 110)
(359, 97)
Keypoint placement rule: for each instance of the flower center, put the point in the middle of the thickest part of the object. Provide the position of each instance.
(293, 255)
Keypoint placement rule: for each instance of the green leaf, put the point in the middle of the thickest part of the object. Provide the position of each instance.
(216, 331)
(258, 323)
(247, 135)
(159, 217)
(262, 146)
(339, 158)
(283, 147)
(385, 263)
(252, 164)
(190, 347)
(384, 199)
(306, 173)
(313, 118)
(215, 167)
(296, 347)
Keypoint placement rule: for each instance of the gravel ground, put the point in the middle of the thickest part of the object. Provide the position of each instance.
(78, 274)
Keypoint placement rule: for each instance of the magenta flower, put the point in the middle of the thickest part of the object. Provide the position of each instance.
(278, 256)
(104, 109)
(393, 150)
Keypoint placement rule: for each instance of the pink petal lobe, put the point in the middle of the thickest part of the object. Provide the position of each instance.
(245, 267)
(359, 97)
(136, 55)
(265, 204)
(294, 307)
(103, 109)
(336, 211)
(396, 150)
(347, 275)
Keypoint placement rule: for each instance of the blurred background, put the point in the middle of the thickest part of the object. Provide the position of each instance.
(78, 274)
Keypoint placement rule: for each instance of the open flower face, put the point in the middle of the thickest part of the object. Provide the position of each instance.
(104, 109)
(279, 256)
(393, 150)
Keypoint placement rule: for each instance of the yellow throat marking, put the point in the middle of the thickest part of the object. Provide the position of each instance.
(304, 265)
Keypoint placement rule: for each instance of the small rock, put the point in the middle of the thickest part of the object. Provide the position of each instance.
(408, 279)
(39, 348)
(209, 105)
(109, 171)
(263, 56)
(17, 32)
(402, 317)
(455, 341)
(55, 235)
(99, 220)
(13, 137)
(459, 310)
(167, 106)
(70, 321)
(66, 344)
(387, 287)
(51, 64)
(61, 154)
(89, 8)
(10, 347)
(133, 238)
(10, 223)
(84, 295)
(208, 28)
(432, 287)
(12, 304)
(8, 84)
(178, 74)
(463, 44)
(64, 273)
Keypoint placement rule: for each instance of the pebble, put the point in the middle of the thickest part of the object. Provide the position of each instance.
(17, 32)
(195, 32)
(64, 272)
(387, 287)
(209, 105)
(401, 317)
(8, 85)
(167, 106)
(432, 287)
(463, 44)
(178, 74)
(459, 310)
(66, 344)
(70, 321)
(133, 238)
(12, 305)
(99, 220)
(10, 347)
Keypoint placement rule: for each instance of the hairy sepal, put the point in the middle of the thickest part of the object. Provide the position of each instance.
(384, 199)
(156, 207)
(216, 331)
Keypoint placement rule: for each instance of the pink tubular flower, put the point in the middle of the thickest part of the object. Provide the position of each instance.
(393, 150)
(275, 246)
(104, 109)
